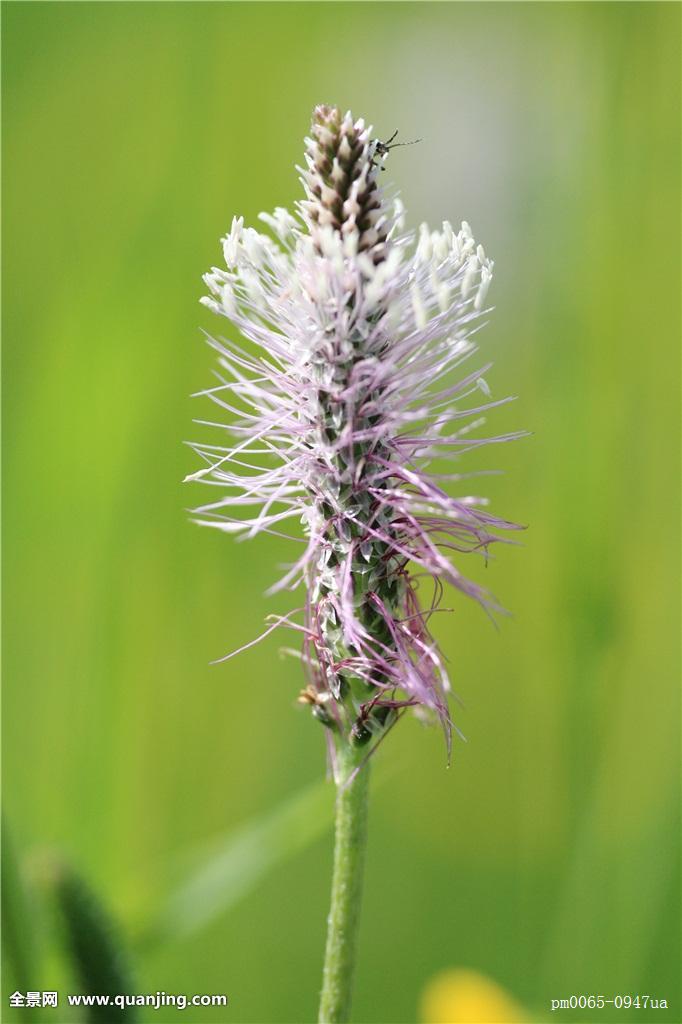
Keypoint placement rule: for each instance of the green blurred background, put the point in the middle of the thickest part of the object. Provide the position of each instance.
(546, 856)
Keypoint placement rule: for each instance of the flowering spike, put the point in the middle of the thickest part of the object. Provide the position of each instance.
(348, 400)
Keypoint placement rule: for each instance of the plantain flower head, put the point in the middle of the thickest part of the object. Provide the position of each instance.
(351, 386)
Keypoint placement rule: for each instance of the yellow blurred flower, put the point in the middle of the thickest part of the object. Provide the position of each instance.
(463, 996)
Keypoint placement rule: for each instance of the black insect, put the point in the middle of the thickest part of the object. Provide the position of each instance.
(382, 149)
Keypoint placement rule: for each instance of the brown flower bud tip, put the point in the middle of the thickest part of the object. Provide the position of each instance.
(341, 182)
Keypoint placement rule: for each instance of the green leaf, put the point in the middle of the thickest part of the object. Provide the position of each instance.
(94, 945)
(18, 939)
(242, 859)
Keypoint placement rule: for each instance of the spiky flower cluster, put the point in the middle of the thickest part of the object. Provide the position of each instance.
(348, 399)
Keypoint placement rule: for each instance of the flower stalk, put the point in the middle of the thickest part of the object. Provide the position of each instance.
(347, 879)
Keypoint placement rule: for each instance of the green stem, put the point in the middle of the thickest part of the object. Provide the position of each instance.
(349, 855)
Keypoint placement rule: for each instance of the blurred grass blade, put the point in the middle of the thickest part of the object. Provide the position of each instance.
(94, 945)
(18, 938)
(244, 858)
